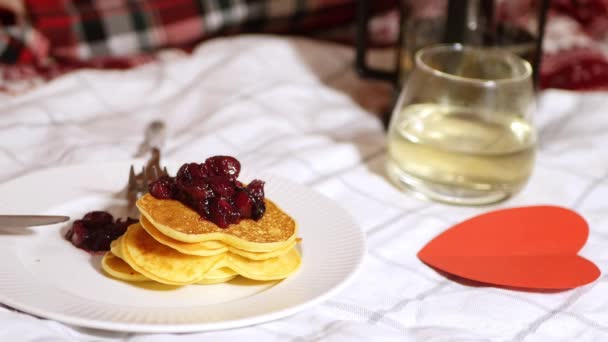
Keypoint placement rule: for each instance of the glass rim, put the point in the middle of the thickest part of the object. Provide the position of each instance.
(527, 73)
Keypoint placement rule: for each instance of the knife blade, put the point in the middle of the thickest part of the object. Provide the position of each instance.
(22, 221)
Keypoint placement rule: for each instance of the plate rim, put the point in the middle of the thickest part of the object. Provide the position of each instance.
(42, 313)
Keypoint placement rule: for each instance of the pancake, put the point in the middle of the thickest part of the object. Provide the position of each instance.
(168, 266)
(275, 230)
(218, 275)
(272, 269)
(198, 248)
(116, 248)
(255, 256)
(161, 263)
(119, 269)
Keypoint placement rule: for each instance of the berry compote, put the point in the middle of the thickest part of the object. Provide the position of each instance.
(96, 230)
(213, 191)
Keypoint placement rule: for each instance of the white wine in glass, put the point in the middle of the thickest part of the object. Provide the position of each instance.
(461, 139)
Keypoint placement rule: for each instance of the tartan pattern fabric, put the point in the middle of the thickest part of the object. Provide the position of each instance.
(21, 43)
(82, 30)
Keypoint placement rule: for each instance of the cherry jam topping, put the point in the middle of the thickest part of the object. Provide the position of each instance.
(213, 191)
(96, 230)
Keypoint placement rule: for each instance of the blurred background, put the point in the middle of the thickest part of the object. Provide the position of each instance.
(40, 40)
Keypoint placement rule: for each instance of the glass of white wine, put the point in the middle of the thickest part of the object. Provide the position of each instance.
(461, 131)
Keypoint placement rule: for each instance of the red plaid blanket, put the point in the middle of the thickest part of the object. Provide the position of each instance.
(59, 35)
(82, 30)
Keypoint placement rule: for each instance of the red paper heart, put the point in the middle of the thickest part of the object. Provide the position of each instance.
(528, 247)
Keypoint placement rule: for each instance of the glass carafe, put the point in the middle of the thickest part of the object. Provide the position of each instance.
(513, 25)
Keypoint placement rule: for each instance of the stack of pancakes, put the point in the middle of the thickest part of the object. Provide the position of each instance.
(172, 245)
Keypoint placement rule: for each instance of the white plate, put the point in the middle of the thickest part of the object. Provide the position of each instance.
(43, 274)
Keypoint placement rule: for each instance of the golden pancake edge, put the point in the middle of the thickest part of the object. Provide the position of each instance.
(275, 230)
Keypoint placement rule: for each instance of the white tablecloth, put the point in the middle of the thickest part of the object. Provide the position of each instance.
(296, 108)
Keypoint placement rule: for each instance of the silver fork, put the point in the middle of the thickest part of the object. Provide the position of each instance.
(138, 183)
(154, 137)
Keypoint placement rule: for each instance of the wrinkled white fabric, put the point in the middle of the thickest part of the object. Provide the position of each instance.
(294, 107)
